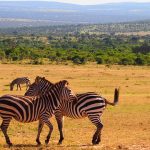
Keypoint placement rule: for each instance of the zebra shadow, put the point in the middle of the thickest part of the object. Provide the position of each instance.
(25, 145)
(79, 146)
(22, 146)
(41, 147)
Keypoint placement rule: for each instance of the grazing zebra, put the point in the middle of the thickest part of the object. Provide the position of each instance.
(88, 104)
(18, 81)
(28, 109)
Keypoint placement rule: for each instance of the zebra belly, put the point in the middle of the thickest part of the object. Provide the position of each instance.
(75, 116)
(70, 112)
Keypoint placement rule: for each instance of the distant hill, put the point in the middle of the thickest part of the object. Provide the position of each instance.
(36, 13)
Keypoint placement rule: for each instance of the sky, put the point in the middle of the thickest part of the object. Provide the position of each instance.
(87, 2)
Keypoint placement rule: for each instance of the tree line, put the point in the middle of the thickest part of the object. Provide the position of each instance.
(75, 46)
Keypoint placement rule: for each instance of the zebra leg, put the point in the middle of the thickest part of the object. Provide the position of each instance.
(97, 122)
(98, 139)
(40, 126)
(97, 135)
(48, 123)
(20, 87)
(59, 119)
(27, 86)
(4, 127)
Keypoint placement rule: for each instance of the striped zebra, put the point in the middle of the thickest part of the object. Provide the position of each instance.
(88, 104)
(18, 81)
(28, 109)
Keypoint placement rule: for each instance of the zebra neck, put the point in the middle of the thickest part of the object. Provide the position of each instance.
(52, 99)
(45, 90)
(12, 85)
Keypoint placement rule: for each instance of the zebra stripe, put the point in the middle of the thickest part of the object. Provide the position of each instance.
(18, 81)
(88, 104)
(29, 109)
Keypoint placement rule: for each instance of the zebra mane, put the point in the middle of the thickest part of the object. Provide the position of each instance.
(38, 79)
(41, 86)
(65, 82)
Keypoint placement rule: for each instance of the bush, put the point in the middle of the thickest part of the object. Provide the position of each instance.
(99, 60)
(79, 60)
(37, 62)
(140, 60)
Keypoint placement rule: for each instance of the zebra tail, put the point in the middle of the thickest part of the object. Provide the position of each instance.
(116, 98)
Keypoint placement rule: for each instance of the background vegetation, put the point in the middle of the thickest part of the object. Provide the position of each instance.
(120, 43)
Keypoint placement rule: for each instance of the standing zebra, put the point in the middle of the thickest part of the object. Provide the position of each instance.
(29, 109)
(88, 104)
(18, 81)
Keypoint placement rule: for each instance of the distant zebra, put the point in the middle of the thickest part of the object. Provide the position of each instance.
(88, 105)
(18, 81)
(29, 109)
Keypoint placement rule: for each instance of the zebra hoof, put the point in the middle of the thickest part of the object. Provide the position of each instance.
(94, 142)
(59, 143)
(97, 142)
(38, 142)
(46, 142)
(10, 144)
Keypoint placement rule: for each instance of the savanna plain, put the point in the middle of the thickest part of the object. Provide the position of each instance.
(126, 126)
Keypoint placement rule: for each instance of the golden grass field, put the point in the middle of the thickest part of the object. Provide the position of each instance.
(126, 126)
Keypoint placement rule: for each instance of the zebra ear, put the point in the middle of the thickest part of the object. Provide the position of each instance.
(37, 79)
(66, 83)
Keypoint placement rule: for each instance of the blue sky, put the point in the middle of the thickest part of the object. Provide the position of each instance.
(86, 2)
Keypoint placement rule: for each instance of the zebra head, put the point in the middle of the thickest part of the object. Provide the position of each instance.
(33, 90)
(38, 79)
(11, 86)
(66, 93)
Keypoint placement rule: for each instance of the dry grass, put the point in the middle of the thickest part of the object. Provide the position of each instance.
(126, 126)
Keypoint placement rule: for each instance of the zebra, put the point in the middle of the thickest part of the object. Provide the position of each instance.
(88, 104)
(18, 81)
(28, 109)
